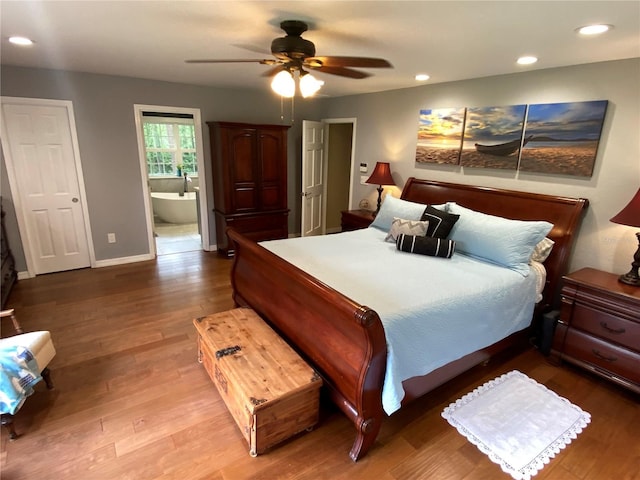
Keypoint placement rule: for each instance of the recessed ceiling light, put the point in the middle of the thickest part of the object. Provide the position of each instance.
(23, 41)
(422, 77)
(527, 60)
(593, 29)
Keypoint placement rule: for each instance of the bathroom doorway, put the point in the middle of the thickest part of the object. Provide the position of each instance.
(170, 145)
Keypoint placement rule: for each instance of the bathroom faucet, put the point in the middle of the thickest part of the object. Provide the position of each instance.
(187, 179)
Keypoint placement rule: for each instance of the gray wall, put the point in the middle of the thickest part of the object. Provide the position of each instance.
(103, 108)
(387, 128)
(386, 131)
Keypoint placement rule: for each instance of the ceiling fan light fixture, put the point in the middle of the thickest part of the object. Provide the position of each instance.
(284, 84)
(309, 84)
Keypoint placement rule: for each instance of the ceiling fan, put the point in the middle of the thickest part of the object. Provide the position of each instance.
(295, 54)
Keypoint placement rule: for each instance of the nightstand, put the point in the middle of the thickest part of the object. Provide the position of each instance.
(356, 219)
(599, 326)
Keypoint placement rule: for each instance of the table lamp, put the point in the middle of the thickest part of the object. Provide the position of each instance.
(381, 176)
(630, 216)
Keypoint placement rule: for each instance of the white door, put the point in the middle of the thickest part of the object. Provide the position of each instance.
(42, 159)
(313, 173)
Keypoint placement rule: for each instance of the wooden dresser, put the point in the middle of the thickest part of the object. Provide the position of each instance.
(9, 273)
(599, 326)
(250, 181)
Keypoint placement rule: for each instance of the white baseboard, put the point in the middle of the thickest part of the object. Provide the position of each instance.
(123, 260)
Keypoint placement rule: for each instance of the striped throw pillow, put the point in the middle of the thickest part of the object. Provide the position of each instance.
(432, 246)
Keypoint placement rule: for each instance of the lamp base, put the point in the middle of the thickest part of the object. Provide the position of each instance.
(633, 277)
(379, 198)
(630, 279)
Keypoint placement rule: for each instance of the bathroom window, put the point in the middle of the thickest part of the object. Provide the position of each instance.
(170, 145)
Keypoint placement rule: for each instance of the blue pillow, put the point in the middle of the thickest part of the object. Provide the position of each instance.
(396, 207)
(499, 240)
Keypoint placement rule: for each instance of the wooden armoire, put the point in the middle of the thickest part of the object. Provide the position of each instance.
(249, 181)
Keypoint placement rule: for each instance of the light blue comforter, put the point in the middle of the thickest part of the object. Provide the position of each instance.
(434, 310)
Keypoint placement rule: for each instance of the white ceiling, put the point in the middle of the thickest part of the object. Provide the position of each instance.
(449, 40)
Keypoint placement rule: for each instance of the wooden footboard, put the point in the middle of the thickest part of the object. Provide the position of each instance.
(344, 340)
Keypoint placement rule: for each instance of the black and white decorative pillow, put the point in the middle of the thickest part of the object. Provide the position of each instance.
(440, 223)
(432, 246)
(410, 227)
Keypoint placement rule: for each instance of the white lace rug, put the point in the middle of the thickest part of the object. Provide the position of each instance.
(519, 423)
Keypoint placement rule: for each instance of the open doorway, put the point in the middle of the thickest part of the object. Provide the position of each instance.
(171, 159)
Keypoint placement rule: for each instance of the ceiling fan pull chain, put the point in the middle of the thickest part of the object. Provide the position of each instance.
(281, 108)
(292, 102)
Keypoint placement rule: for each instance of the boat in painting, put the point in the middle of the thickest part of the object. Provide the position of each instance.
(502, 149)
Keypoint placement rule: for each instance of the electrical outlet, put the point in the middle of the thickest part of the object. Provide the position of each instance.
(111, 237)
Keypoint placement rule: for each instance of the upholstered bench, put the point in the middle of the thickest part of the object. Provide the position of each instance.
(41, 346)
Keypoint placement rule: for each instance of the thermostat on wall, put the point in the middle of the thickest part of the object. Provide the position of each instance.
(363, 168)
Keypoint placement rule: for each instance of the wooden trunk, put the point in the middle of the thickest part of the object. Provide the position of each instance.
(269, 390)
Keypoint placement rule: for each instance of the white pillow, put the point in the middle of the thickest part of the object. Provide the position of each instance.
(408, 227)
(542, 250)
(505, 242)
(396, 207)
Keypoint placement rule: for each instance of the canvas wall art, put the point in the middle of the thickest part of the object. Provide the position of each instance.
(493, 137)
(564, 137)
(440, 135)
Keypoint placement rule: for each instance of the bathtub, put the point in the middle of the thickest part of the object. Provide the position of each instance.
(172, 208)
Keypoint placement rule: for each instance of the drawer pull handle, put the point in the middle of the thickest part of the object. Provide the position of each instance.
(604, 357)
(612, 330)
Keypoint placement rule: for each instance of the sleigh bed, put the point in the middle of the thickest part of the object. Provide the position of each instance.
(345, 340)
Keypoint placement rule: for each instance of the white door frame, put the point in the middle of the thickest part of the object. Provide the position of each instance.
(15, 190)
(202, 184)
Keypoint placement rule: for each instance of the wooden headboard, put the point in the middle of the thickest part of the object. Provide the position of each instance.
(564, 212)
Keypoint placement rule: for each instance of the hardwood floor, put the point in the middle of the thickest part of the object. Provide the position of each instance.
(131, 402)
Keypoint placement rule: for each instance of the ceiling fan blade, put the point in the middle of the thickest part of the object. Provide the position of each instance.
(263, 61)
(361, 62)
(273, 71)
(252, 48)
(343, 72)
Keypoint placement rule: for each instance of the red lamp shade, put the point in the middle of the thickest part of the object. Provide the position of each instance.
(381, 175)
(630, 215)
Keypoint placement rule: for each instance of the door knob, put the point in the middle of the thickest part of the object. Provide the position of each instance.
(74, 200)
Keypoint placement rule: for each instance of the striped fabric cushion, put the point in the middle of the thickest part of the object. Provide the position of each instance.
(434, 247)
(410, 227)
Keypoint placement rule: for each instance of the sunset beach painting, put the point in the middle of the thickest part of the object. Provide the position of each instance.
(493, 137)
(565, 137)
(440, 135)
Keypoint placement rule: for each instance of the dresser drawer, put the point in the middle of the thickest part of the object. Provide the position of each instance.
(612, 358)
(607, 326)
